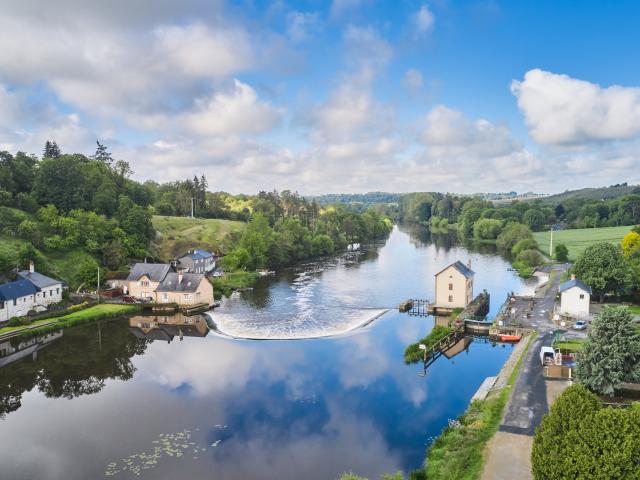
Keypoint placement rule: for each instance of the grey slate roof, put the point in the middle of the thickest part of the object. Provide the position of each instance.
(39, 280)
(461, 267)
(155, 271)
(190, 282)
(575, 283)
(17, 289)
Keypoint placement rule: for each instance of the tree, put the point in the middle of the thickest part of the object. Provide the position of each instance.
(562, 252)
(631, 244)
(528, 243)
(534, 219)
(487, 229)
(580, 439)
(531, 257)
(611, 354)
(512, 234)
(51, 150)
(559, 211)
(602, 266)
(102, 154)
(88, 273)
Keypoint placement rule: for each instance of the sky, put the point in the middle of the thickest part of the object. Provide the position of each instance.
(331, 96)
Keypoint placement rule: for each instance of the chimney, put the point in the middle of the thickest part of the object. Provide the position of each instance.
(469, 264)
(179, 277)
(31, 267)
(573, 277)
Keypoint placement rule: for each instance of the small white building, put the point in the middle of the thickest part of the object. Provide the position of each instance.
(32, 291)
(454, 286)
(575, 297)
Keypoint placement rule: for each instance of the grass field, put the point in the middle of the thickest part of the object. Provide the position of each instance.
(577, 240)
(178, 234)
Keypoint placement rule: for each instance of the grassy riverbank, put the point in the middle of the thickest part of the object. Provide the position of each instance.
(413, 353)
(231, 281)
(97, 312)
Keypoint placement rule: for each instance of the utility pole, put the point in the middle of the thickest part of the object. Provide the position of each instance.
(192, 208)
(98, 285)
(551, 241)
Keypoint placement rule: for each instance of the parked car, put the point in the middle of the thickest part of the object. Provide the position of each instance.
(580, 325)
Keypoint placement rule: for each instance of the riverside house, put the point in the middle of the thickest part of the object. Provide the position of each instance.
(32, 291)
(454, 286)
(197, 261)
(159, 282)
(575, 297)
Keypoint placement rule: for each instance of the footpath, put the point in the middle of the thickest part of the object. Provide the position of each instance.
(508, 453)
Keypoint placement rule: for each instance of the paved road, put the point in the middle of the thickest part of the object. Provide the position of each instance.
(528, 402)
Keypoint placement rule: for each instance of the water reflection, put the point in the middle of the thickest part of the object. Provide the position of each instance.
(74, 364)
(166, 327)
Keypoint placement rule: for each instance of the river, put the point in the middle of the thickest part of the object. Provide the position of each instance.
(128, 398)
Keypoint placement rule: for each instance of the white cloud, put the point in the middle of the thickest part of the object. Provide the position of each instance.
(302, 25)
(412, 80)
(338, 7)
(366, 48)
(423, 20)
(560, 110)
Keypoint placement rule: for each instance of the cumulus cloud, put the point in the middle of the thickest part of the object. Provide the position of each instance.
(560, 110)
(423, 20)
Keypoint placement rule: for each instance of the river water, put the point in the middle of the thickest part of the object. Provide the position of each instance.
(128, 398)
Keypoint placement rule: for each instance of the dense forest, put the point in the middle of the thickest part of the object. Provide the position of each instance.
(88, 210)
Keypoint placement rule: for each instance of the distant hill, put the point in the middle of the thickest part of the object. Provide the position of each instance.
(601, 193)
(370, 198)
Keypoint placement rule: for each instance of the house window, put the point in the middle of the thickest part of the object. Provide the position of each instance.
(451, 286)
(144, 283)
(582, 296)
(165, 296)
(2, 305)
(57, 290)
(15, 302)
(450, 298)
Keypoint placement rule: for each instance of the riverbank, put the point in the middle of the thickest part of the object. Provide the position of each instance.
(96, 312)
(458, 451)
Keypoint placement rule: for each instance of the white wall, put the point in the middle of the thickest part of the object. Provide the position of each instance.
(20, 309)
(571, 303)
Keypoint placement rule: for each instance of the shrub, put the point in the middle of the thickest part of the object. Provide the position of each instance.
(562, 253)
(512, 234)
(580, 439)
(487, 229)
(531, 258)
(525, 244)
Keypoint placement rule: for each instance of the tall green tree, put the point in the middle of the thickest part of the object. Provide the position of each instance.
(561, 252)
(602, 266)
(51, 150)
(611, 354)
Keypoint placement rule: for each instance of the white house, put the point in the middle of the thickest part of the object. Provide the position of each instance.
(32, 291)
(454, 286)
(574, 298)
(49, 289)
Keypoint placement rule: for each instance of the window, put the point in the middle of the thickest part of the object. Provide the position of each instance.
(2, 305)
(582, 296)
(451, 286)
(450, 298)
(57, 290)
(15, 302)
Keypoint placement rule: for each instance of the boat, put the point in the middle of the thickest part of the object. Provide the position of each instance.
(509, 338)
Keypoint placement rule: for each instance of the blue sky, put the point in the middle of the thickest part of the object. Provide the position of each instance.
(339, 96)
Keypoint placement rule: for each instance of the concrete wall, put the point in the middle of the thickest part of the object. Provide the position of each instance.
(571, 303)
(453, 289)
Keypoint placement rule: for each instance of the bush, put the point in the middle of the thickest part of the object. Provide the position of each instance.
(512, 234)
(413, 353)
(531, 258)
(524, 244)
(562, 253)
(580, 439)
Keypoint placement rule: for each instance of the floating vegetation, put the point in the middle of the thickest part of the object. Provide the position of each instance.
(167, 445)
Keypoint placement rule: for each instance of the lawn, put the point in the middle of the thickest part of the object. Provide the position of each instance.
(579, 239)
(179, 234)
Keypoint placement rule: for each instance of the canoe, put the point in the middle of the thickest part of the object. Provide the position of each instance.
(509, 338)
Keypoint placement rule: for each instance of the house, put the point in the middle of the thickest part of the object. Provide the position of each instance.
(144, 278)
(575, 297)
(32, 291)
(159, 282)
(17, 299)
(198, 261)
(454, 286)
(49, 289)
(185, 289)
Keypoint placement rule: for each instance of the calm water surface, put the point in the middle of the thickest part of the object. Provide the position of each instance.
(122, 399)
